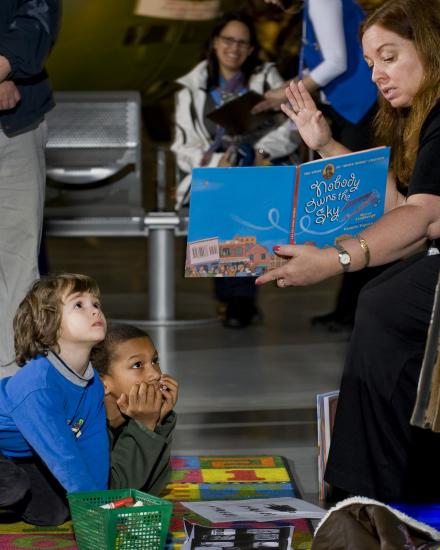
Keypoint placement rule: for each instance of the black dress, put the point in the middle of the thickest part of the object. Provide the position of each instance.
(375, 452)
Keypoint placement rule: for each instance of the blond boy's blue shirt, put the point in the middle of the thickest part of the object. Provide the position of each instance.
(49, 410)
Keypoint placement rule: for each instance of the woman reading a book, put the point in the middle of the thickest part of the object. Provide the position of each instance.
(231, 69)
(375, 452)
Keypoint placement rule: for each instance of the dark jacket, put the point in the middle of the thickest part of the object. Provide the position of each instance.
(28, 29)
(364, 524)
(140, 458)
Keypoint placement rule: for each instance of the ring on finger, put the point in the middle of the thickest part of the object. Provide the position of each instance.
(281, 283)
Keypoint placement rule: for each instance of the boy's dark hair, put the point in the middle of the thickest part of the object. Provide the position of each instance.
(38, 318)
(252, 60)
(103, 353)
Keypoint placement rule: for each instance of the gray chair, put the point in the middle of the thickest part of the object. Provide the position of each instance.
(93, 160)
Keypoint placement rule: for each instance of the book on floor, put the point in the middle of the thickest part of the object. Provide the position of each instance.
(198, 537)
(238, 214)
(326, 404)
(259, 510)
(426, 413)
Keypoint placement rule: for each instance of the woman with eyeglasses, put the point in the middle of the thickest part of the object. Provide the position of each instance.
(230, 69)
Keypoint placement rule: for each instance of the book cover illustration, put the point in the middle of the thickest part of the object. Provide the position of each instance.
(339, 196)
(199, 537)
(238, 214)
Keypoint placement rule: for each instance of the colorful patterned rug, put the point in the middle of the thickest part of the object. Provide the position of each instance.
(193, 478)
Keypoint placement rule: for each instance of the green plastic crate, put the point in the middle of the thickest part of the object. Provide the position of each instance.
(140, 528)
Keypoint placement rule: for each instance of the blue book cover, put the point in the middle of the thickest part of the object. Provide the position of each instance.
(238, 214)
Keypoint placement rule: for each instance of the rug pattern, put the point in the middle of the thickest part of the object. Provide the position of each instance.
(193, 478)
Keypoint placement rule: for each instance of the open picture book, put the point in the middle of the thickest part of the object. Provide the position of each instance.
(238, 214)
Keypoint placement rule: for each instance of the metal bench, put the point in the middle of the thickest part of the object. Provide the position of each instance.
(94, 184)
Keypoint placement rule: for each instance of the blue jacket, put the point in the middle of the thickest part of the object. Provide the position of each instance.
(352, 94)
(49, 410)
(28, 29)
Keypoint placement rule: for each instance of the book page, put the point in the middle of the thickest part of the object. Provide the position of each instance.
(236, 216)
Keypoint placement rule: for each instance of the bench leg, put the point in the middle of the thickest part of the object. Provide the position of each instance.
(161, 290)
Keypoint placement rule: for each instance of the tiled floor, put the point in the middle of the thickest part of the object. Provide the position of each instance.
(242, 390)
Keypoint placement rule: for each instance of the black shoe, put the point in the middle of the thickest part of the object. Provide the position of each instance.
(333, 322)
(241, 312)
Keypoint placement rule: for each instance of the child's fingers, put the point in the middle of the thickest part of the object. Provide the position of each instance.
(172, 392)
(167, 378)
(172, 387)
(170, 398)
(143, 392)
(133, 396)
(122, 403)
(158, 398)
(168, 381)
(150, 394)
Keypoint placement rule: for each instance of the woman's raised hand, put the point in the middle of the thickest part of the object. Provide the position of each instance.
(309, 120)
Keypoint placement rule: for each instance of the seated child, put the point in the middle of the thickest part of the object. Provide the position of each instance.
(53, 435)
(139, 401)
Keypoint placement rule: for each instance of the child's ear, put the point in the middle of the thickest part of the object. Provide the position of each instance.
(106, 382)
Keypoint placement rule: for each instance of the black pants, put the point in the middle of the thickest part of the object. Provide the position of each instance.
(29, 489)
(374, 451)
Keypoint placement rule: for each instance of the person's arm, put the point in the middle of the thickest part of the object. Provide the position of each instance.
(405, 227)
(310, 121)
(5, 68)
(93, 443)
(40, 417)
(24, 47)
(398, 233)
(327, 19)
(282, 140)
(140, 457)
(189, 144)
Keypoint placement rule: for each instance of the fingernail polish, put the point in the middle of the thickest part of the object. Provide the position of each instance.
(276, 248)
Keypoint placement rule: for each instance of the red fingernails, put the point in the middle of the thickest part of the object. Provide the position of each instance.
(276, 248)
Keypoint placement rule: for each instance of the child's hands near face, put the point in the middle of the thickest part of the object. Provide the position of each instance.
(143, 404)
(170, 389)
(114, 415)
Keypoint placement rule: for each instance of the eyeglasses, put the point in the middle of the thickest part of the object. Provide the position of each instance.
(229, 41)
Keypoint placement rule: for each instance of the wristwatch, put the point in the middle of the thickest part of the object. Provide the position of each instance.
(344, 256)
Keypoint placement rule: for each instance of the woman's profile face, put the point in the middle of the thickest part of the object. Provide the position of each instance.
(396, 66)
(232, 46)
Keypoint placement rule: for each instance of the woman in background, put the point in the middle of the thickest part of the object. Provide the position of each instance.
(230, 69)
